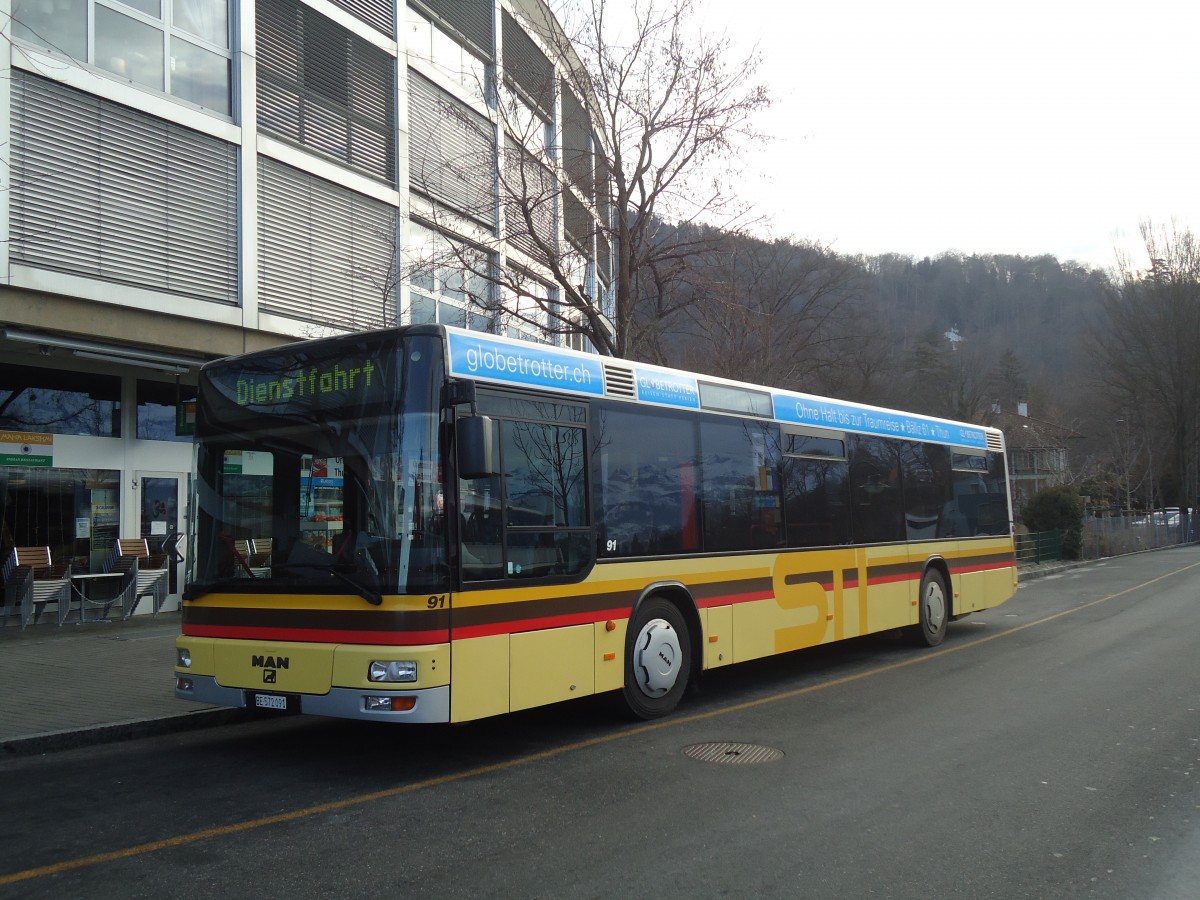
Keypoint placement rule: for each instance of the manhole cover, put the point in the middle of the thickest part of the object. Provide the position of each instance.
(727, 752)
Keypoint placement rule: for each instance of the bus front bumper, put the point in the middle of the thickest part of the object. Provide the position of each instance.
(430, 705)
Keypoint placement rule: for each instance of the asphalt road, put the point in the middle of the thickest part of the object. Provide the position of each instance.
(1048, 749)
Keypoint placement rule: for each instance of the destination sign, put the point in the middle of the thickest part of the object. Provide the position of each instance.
(296, 384)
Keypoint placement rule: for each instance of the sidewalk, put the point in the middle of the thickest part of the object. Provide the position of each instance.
(94, 683)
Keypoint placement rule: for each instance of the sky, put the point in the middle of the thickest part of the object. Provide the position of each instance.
(1011, 126)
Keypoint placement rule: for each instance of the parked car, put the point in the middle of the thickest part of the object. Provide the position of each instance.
(1160, 518)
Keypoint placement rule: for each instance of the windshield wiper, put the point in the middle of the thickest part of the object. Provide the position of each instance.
(198, 590)
(375, 598)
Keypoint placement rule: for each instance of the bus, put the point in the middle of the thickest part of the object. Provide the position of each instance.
(428, 524)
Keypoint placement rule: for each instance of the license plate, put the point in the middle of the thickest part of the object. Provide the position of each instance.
(270, 701)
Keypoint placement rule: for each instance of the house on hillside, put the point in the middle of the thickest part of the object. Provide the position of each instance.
(1037, 452)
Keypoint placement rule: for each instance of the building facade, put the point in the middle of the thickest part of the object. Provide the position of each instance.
(1038, 454)
(189, 179)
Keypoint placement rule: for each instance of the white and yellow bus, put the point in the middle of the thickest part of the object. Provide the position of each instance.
(428, 524)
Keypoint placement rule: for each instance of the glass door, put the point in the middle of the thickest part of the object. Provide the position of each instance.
(160, 519)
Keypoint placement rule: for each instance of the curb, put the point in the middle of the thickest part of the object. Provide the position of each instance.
(1034, 574)
(71, 739)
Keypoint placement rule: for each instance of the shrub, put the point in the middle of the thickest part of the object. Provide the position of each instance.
(1058, 509)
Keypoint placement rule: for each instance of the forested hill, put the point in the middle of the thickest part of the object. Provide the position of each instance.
(1033, 306)
(951, 336)
(1021, 322)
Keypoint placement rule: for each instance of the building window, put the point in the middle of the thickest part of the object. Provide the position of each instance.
(323, 87)
(528, 127)
(159, 405)
(180, 47)
(452, 151)
(526, 66)
(525, 303)
(471, 20)
(530, 195)
(450, 281)
(104, 191)
(74, 512)
(379, 14)
(54, 401)
(452, 58)
(326, 253)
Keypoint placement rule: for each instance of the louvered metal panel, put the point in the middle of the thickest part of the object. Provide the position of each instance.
(452, 151)
(576, 150)
(577, 223)
(603, 259)
(379, 14)
(528, 66)
(470, 18)
(529, 188)
(325, 252)
(106, 191)
(323, 87)
(618, 382)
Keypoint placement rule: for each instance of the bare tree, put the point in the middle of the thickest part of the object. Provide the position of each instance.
(674, 107)
(769, 310)
(611, 156)
(1149, 347)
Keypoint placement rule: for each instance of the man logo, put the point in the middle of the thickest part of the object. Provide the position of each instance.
(270, 666)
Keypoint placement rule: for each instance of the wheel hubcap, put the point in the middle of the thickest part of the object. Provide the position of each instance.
(935, 606)
(656, 658)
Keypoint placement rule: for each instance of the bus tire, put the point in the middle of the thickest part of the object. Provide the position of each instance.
(658, 659)
(934, 606)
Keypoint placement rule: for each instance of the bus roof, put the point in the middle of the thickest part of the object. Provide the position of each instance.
(490, 358)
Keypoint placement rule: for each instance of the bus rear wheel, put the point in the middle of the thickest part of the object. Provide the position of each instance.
(658, 659)
(934, 606)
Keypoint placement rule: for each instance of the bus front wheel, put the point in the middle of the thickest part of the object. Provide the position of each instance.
(658, 659)
(934, 610)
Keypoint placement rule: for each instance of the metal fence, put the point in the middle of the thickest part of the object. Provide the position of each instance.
(1108, 536)
(1042, 546)
(1113, 535)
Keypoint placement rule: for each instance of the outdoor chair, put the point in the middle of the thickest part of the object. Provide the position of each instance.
(33, 584)
(16, 582)
(259, 558)
(147, 574)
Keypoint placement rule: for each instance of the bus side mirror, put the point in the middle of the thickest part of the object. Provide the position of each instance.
(475, 437)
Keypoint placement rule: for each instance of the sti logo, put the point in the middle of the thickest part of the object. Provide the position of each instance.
(270, 666)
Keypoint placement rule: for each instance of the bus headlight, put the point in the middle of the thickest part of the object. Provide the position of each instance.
(183, 657)
(382, 670)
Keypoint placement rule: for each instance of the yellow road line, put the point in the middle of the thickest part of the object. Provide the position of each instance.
(674, 721)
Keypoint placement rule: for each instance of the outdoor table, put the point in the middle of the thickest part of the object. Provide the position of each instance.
(84, 585)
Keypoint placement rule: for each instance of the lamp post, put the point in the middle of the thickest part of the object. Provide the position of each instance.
(1125, 465)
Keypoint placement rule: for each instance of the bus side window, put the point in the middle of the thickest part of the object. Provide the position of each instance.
(646, 472)
(481, 532)
(531, 521)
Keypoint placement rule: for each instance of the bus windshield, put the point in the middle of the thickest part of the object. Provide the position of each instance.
(318, 471)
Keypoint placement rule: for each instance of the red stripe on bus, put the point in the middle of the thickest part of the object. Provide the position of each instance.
(982, 567)
(731, 599)
(894, 579)
(517, 626)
